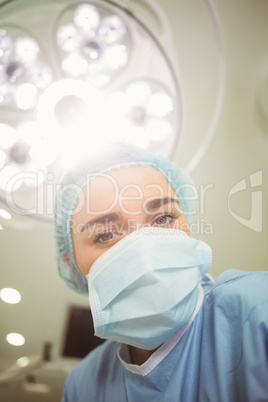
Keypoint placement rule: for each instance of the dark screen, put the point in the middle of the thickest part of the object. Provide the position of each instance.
(79, 338)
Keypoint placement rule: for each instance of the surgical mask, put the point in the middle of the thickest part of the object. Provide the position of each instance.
(146, 286)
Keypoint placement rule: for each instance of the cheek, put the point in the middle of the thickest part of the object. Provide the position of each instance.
(84, 256)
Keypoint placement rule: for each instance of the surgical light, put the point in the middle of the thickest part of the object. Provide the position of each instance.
(21, 63)
(148, 107)
(73, 76)
(93, 39)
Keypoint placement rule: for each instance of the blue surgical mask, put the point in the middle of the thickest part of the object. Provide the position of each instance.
(146, 286)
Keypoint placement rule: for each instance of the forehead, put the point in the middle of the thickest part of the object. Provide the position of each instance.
(131, 185)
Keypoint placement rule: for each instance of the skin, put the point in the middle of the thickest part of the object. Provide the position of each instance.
(116, 204)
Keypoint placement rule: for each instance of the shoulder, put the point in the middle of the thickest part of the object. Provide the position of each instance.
(235, 334)
(252, 284)
(240, 292)
(95, 367)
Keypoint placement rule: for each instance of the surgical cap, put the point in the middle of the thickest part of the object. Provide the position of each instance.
(113, 157)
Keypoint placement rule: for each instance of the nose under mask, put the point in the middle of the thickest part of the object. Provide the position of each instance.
(146, 286)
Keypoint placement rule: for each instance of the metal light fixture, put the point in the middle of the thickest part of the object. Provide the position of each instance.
(75, 75)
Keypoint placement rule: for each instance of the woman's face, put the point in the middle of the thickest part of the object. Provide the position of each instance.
(117, 203)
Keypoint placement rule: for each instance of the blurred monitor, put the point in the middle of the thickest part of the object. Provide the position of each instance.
(79, 337)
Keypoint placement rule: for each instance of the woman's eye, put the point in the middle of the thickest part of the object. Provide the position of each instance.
(105, 237)
(164, 220)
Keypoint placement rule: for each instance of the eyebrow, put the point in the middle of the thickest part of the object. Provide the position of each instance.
(111, 217)
(151, 205)
(159, 202)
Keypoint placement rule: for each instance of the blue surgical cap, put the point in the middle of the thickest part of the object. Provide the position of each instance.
(113, 157)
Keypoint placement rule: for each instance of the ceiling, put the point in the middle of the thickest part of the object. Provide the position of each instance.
(231, 220)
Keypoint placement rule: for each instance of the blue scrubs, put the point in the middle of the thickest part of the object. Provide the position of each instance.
(221, 356)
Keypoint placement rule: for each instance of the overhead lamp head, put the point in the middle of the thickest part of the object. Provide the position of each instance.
(75, 75)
